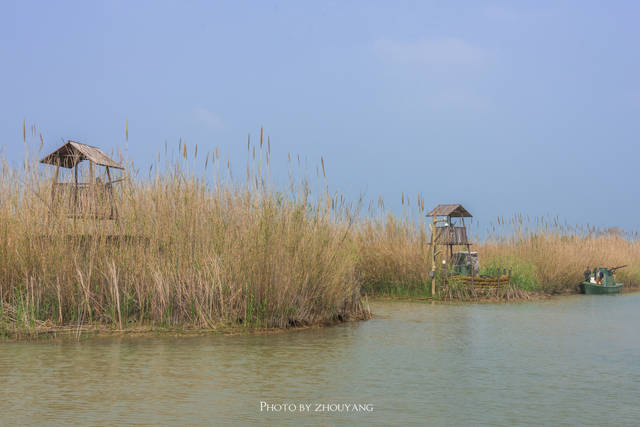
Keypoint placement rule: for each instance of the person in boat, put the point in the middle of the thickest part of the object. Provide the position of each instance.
(599, 275)
(587, 274)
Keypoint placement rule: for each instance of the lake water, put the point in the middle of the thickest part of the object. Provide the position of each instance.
(565, 361)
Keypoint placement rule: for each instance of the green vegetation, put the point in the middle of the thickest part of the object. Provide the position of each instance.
(393, 257)
(544, 257)
(523, 272)
(551, 258)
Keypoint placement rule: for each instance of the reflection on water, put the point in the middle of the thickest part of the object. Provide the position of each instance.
(572, 360)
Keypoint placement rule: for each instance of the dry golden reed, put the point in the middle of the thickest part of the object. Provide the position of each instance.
(186, 251)
(205, 251)
(544, 256)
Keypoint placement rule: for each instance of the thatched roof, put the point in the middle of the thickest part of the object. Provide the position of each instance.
(454, 211)
(71, 153)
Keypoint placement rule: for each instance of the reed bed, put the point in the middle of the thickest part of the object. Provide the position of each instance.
(551, 258)
(545, 257)
(204, 251)
(394, 258)
(187, 251)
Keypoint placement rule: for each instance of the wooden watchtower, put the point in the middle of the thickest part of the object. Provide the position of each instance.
(448, 229)
(91, 199)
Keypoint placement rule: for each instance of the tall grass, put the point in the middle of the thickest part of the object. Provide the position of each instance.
(394, 257)
(202, 250)
(186, 251)
(550, 257)
(543, 255)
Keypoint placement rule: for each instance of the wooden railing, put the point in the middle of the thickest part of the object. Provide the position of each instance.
(84, 200)
(451, 235)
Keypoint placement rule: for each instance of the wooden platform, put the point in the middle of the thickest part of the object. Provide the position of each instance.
(481, 282)
(86, 239)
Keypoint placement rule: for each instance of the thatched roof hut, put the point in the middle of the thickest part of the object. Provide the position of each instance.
(71, 153)
(452, 211)
(449, 234)
(82, 199)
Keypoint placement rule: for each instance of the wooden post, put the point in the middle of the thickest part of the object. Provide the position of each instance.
(92, 205)
(53, 190)
(75, 191)
(433, 256)
(445, 277)
(473, 270)
(468, 252)
(110, 189)
(451, 238)
(91, 172)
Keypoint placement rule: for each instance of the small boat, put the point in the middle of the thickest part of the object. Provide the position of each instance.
(601, 282)
(595, 289)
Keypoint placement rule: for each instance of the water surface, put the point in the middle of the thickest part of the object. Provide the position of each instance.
(565, 361)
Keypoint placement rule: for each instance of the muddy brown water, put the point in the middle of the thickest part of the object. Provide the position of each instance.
(565, 361)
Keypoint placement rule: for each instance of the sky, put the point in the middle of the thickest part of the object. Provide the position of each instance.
(504, 107)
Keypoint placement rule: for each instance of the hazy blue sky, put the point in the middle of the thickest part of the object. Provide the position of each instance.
(530, 107)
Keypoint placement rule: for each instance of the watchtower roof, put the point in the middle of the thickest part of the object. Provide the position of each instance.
(71, 153)
(454, 211)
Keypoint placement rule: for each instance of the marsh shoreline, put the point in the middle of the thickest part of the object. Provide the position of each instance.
(206, 253)
(97, 331)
